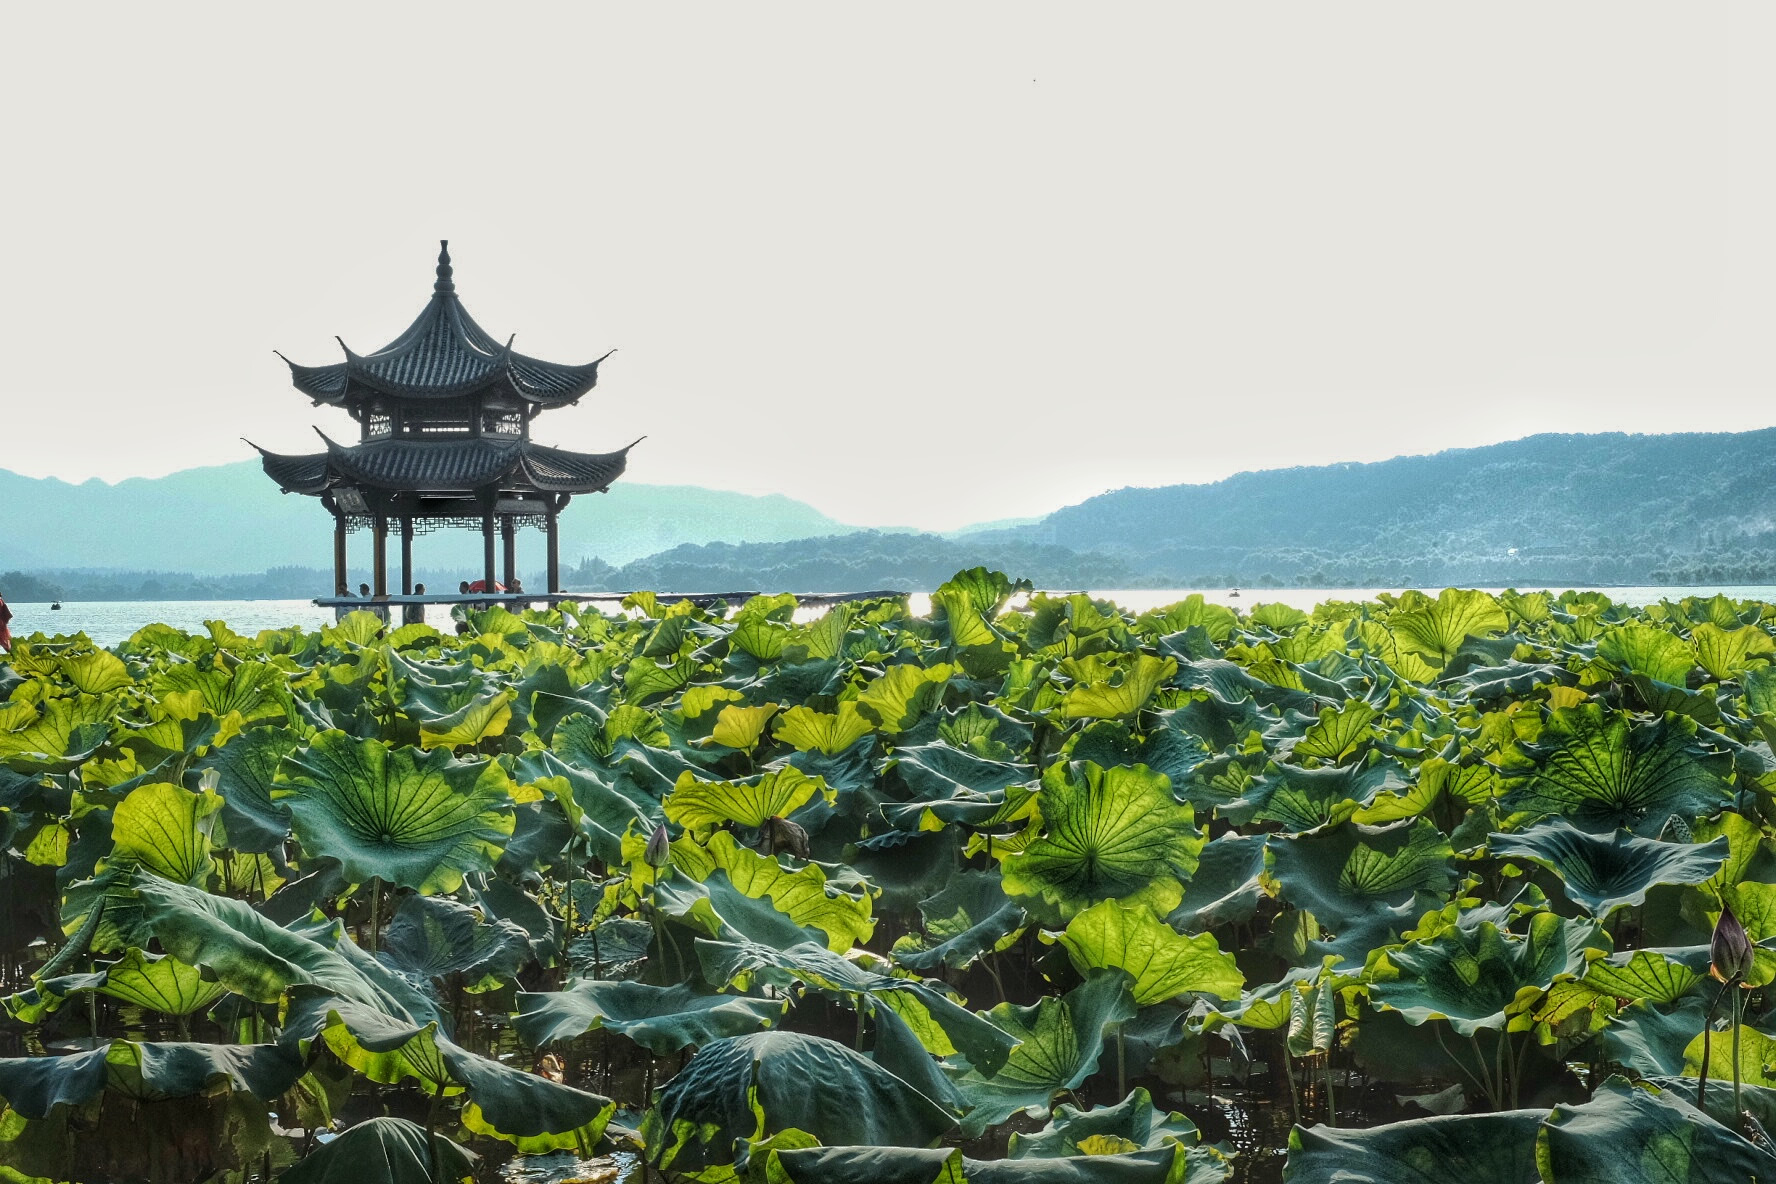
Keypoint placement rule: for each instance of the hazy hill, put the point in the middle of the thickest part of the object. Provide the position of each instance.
(231, 518)
(1608, 507)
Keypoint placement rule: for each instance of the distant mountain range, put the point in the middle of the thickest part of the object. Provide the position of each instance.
(231, 518)
(1556, 509)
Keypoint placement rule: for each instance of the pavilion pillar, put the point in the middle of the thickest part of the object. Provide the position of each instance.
(339, 584)
(406, 555)
(554, 578)
(380, 558)
(509, 536)
(487, 550)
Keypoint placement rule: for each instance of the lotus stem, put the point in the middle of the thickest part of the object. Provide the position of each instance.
(1289, 1072)
(375, 909)
(1121, 1066)
(1331, 1098)
(1738, 1010)
(1707, 1042)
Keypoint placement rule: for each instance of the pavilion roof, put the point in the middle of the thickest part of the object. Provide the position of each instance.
(445, 466)
(444, 354)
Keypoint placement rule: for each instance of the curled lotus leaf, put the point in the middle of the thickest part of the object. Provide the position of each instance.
(1637, 1134)
(702, 805)
(1161, 962)
(1604, 873)
(384, 1151)
(664, 1020)
(1475, 1148)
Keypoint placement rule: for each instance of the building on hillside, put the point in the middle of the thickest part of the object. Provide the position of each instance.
(444, 414)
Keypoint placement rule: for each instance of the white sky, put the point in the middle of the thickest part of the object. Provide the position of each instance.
(918, 263)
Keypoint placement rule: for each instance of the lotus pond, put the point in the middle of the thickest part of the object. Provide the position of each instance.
(1413, 889)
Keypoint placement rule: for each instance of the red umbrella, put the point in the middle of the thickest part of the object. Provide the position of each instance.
(481, 586)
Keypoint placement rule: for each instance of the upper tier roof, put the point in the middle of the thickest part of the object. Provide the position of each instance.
(445, 466)
(444, 354)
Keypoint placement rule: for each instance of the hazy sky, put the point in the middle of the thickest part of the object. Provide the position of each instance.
(915, 263)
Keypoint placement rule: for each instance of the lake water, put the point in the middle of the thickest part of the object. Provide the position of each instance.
(111, 622)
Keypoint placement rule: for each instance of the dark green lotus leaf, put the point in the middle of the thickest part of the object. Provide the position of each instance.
(747, 1087)
(953, 786)
(529, 1111)
(252, 956)
(417, 819)
(600, 805)
(384, 1151)
(501, 900)
(1472, 1148)
(969, 919)
(246, 767)
(1225, 889)
(1132, 1121)
(1366, 884)
(1060, 1039)
(1603, 874)
(610, 948)
(145, 1071)
(942, 1024)
(33, 1086)
(1107, 834)
(432, 936)
(1630, 1134)
(1481, 977)
(1652, 1039)
(1305, 799)
(1618, 774)
(904, 1165)
(540, 834)
(664, 1020)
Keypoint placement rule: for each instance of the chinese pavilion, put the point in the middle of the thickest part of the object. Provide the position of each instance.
(444, 416)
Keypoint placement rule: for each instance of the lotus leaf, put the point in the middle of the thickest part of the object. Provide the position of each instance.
(1473, 1148)
(970, 918)
(1162, 963)
(1629, 1134)
(702, 805)
(165, 829)
(745, 1088)
(1107, 834)
(383, 1151)
(1364, 882)
(1060, 1039)
(417, 819)
(1438, 629)
(430, 937)
(664, 1020)
(1483, 977)
(1604, 874)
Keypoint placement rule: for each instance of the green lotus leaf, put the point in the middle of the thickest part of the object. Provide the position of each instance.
(802, 897)
(160, 984)
(473, 722)
(1306, 799)
(1132, 1121)
(1727, 653)
(1162, 963)
(95, 672)
(895, 701)
(145, 1071)
(431, 937)
(1365, 883)
(1340, 734)
(1107, 834)
(1757, 1057)
(1649, 650)
(1603, 874)
(1652, 1039)
(1473, 1148)
(1060, 1039)
(1438, 629)
(957, 785)
(246, 767)
(983, 590)
(702, 805)
(940, 1023)
(1649, 976)
(1483, 977)
(664, 1020)
(1631, 1134)
(806, 730)
(418, 819)
(1126, 693)
(384, 1151)
(909, 1165)
(1225, 887)
(740, 727)
(63, 735)
(165, 829)
(745, 1088)
(1218, 621)
(256, 690)
(34, 1086)
(252, 956)
(1615, 773)
(970, 918)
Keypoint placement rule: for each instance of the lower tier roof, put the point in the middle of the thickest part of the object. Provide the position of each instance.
(445, 466)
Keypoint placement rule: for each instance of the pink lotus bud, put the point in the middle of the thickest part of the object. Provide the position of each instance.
(1730, 951)
(659, 848)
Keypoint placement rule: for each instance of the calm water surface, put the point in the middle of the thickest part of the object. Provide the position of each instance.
(111, 622)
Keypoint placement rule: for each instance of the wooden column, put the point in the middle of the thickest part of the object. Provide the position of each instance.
(509, 535)
(554, 580)
(339, 577)
(406, 555)
(487, 546)
(381, 554)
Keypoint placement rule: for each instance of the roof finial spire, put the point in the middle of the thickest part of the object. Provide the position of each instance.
(445, 283)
